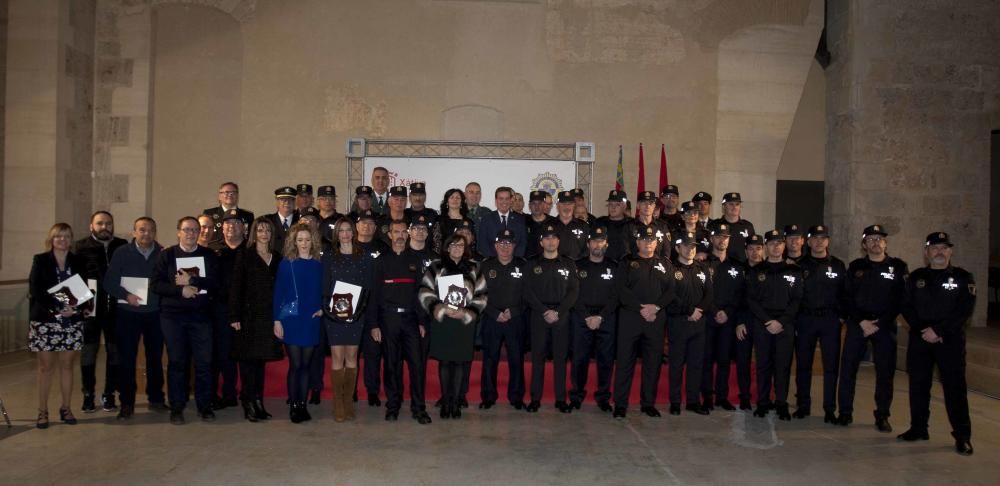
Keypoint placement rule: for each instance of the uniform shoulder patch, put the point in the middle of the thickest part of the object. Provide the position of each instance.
(761, 277)
(582, 273)
(492, 274)
(538, 270)
(633, 264)
(678, 275)
(921, 283)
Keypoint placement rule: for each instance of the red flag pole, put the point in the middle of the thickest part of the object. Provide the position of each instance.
(663, 173)
(641, 184)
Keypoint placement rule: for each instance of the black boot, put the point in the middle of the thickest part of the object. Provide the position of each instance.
(294, 414)
(248, 412)
(260, 411)
(882, 423)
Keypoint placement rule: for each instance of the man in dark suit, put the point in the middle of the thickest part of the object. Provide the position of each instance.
(502, 218)
(285, 216)
(229, 198)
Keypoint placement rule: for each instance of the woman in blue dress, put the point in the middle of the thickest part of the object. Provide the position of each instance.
(297, 311)
(345, 262)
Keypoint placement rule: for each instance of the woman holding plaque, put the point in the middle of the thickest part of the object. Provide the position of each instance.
(251, 315)
(454, 214)
(297, 311)
(55, 331)
(453, 293)
(347, 275)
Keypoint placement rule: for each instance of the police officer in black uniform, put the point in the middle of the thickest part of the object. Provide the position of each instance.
(617, 223)
(395, 211)
(326, 200)
(794, 243)
(503, 321)
(875, 291)
(728, 282)
(939, 301)
(686, 324)
(671, 212)
(821, 316)
(595, 321)
(229, 198)
(535, 222)
(418, 198)
(550, 290)
(398, 325)
(703, 203)
(774, 290)
(739, 228)
(646, 203)
(285, 216)
(303, 197)
(363, 196)
(580, 199)
(744, 325)
(645, 289)
(572, 231)
(373, 248)
(689, 215)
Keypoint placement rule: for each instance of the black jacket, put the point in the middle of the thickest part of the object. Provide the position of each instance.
(96, 257)
(42, 306)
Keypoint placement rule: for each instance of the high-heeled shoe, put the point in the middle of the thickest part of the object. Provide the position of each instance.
(43, 419)
(261, 412)
(248, 411)
(66, 415)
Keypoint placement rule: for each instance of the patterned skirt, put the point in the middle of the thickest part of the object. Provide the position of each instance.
(55, 336)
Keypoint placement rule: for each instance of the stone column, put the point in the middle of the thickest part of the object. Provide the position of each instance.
(912, 93)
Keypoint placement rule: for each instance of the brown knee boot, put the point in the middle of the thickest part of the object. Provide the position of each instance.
(347, 397)
(337, 377)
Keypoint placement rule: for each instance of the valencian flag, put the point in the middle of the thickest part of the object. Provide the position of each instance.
(641, 184)
(620, 176)
(663, 172)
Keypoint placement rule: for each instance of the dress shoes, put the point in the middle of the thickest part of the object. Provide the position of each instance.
(650, 411)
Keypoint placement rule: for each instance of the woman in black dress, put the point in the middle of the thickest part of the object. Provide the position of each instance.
(347, 263)
(55, 330)
(452, 325)
(250, 315)
(454, 214)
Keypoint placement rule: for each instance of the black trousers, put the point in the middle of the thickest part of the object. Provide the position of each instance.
(719, 347)
(601, 344)
(949, 356)
(638, 338)
(808, 331)
(223, 364)
(371, 351)
(93, 328)
(317, 365)
(884, 354)
(510, 335)
(774, 362)
(401, 342)
(252, 379)
(129, 328)
(744, 360)
(189, 338)
(687, 349)
(543, 337)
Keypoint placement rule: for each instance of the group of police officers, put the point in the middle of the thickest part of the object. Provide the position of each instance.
(668, 285)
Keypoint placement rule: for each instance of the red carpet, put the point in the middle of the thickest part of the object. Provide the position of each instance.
(274, 384)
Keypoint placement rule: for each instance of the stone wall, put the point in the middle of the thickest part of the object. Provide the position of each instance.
(913, 92)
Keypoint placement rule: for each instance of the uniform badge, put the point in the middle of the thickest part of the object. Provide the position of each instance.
(492, 274)
(516, 273)
(634, 264)
(538, 270)
(791, 280)
(660, 267)
(583, 274)
(921, 284)
(950, 284)
(678, 275)
(830, 274)
(701, 276)
(733, 272)
(607, 275)
(761, 277)
(564, 272)
(215, 216)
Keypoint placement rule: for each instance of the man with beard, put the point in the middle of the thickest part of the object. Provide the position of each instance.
(670, 198)
(617, 224)
(418, 205)
(95, 251)
(326, 202)
(940, 299)
(876, 285)
(373, 248)
(398, 324)
(594, 319)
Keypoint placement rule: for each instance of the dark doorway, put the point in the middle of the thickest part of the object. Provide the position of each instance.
(993, 309)
(799, 202)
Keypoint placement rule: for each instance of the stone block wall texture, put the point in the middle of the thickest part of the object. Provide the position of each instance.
(912, 95)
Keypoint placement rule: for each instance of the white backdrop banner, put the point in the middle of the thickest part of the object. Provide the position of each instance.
(441, 174)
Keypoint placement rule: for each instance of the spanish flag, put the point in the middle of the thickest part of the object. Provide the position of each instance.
(620, 176)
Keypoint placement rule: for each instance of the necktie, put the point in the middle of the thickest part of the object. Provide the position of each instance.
(284, 224)
(503, 221)
(380, 201)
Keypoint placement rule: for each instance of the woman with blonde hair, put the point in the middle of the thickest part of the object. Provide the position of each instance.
(55, 331)
(296, 309)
